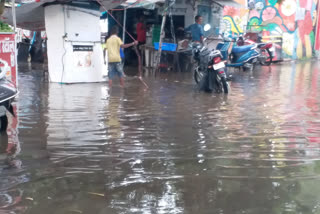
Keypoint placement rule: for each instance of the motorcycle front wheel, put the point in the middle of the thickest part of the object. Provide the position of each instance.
(198, 75)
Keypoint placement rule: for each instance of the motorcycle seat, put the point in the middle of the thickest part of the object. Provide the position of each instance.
(241, 49)
(261, 45)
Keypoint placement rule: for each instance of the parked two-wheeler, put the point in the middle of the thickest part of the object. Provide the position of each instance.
(207, 65)
(209, 72)
(7, 94)
(265, 57)
(245, 56)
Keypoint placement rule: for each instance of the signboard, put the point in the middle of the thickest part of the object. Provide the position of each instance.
(83, 55)
(8, 63)
(8, 56)
(82, 48)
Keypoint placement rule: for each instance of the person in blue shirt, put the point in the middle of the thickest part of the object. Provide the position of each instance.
(196, 30)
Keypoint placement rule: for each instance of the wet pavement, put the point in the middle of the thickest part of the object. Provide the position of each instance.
(170, 149)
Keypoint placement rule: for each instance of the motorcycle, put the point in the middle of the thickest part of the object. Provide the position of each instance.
(209, 72)
(245, 56)
(7, 94)
(265, 57)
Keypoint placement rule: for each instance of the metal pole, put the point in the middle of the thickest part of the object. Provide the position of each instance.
(14, 18)
(124, 26)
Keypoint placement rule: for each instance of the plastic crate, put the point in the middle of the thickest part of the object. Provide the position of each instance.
(166, 46)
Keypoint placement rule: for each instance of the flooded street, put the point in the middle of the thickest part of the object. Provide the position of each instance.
(83, 148)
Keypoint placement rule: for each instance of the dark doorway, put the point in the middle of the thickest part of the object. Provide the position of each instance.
(178, 21)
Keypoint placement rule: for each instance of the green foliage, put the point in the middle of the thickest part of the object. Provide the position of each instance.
(4, 27)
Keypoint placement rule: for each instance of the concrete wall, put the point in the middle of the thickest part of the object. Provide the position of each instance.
(181, 8)
(187, 10)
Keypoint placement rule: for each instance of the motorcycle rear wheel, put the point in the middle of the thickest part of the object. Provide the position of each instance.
(268, 55)
(224, 85)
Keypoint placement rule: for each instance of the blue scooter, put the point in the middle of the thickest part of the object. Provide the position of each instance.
(240, 56)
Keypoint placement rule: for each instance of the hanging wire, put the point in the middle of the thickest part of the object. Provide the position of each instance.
(120, 25)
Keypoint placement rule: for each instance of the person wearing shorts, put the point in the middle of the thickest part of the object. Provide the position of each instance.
(113, 45)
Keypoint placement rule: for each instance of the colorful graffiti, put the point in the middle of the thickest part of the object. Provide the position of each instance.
(317, 30)
(295, 20)
(235, 20)
(292, 20)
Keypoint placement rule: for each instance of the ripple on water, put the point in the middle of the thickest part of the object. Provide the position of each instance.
(170, 149)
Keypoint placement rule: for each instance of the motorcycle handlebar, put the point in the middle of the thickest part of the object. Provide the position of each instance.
(196, 45)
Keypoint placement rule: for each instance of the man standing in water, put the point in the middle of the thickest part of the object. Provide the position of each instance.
(196, 30)
(113, 45)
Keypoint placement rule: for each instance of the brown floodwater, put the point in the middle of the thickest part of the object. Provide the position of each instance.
(84, 148)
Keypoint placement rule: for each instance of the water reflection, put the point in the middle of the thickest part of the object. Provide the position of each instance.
(10, 194)
(170, 149)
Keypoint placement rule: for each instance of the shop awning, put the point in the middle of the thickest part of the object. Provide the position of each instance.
(129, 3)
(30, 15)
(148, 4)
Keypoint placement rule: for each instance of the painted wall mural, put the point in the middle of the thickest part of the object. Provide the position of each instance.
(294, 21)
(235, 20)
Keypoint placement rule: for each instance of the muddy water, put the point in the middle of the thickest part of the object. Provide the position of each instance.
(170, 149)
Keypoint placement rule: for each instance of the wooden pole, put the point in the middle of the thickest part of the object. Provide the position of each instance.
(168, 4)
(164, 17)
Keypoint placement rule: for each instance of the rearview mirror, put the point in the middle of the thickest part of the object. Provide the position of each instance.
(207, 27)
